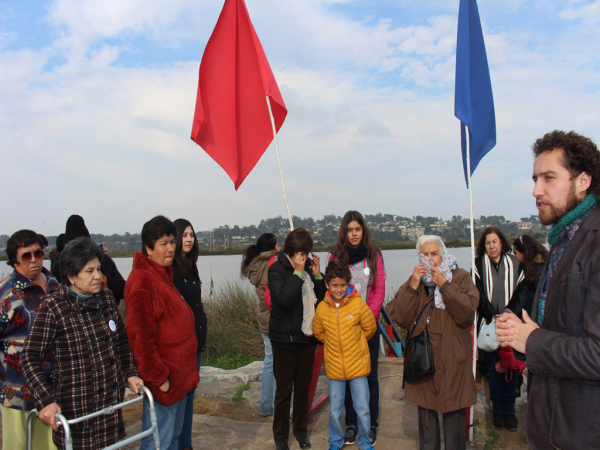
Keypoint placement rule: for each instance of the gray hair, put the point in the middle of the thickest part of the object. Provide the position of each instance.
(76, 255)
(427, 238)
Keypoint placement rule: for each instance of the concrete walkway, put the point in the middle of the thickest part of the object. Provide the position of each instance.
(398, 427)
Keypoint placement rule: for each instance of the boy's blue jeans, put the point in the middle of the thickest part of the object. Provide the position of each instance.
(373, 380)
(360, 399)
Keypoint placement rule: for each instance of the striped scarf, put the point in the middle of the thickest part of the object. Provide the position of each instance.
(511, 280)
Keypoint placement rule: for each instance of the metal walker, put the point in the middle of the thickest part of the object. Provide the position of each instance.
(62, 421)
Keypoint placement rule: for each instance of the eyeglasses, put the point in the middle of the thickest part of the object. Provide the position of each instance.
(37, 254)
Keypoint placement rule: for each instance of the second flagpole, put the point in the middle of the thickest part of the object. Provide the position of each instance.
(287, 207)
(471, 409)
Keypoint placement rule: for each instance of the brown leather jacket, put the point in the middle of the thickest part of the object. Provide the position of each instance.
(257, 272)
(452, 387)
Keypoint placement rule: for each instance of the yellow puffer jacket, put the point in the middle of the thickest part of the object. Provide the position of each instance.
(345, 332)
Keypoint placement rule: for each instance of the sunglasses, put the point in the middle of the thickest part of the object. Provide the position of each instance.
(38, 254)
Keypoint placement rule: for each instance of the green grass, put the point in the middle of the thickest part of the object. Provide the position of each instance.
(230, 362)
(238, 398)
(491, 440)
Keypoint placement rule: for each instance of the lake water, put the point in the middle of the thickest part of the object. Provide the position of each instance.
(399, 265)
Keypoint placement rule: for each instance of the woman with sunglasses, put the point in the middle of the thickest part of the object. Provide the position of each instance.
(21, 295)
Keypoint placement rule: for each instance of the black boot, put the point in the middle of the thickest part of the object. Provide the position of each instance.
(499, 421)
(304, 443)
(511, 422)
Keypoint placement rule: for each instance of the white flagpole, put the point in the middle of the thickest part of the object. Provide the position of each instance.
(471, 409)
(287, 207)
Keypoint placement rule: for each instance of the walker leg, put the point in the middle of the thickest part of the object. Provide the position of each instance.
(32, 413)
(154, 424)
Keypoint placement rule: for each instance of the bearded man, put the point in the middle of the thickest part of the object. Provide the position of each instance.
(561, 339)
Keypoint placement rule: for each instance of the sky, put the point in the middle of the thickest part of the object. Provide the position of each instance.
(97, 101)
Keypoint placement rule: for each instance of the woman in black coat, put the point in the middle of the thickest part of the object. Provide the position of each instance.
(187, 281)
(296, 286)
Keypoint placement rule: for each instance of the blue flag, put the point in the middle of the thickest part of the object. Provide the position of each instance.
(473, 99)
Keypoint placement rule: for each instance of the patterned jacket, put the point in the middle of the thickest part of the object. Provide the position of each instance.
(20, 300)
(93, 359)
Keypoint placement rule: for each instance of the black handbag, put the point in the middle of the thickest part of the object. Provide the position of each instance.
(418, 362)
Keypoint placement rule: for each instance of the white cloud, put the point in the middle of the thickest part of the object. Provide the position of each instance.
(370, 121)
(589, 12)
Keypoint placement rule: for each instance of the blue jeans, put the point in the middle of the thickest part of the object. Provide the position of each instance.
(186, 431)
(170, 421)
(503, 394)
(373, 380)
(268, 386)
(360, 399)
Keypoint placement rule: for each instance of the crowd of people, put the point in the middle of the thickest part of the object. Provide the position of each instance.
(65, 349)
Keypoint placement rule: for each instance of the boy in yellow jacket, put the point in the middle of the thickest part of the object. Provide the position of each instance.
(344, 323)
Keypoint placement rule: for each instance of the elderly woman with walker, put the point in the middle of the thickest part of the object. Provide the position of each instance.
(81, 326)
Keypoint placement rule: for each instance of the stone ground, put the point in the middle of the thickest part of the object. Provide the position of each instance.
(224, 421)
(398, 429)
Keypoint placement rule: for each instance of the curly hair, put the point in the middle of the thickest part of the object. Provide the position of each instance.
(480, 250)
(580, 154)
(337, 269)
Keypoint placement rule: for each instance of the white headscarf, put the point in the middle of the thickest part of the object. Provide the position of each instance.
(446, 267)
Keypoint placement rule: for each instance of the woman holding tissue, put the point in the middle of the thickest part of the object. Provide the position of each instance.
(447, 298)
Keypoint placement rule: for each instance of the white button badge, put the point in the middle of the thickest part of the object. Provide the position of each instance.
(112, 325)
(367, 271)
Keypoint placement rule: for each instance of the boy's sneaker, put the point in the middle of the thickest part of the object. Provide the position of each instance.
(350, 437)
(333, 447)
(373, 436)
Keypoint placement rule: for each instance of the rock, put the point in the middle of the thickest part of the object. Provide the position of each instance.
(253, 394)
(247, 374)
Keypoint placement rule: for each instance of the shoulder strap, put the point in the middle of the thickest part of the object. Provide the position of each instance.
(417, 321)
(272, 260)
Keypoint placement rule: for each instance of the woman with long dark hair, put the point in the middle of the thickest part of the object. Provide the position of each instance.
(499, 279)
(187, 281)
(355, 248)
(533, 256)
(255, 266)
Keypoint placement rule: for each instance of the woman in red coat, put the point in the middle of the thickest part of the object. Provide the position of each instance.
(160, 326)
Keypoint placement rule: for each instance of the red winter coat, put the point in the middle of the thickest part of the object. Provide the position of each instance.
(161, 330)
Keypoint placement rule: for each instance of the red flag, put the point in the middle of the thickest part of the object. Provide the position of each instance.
(231, 121)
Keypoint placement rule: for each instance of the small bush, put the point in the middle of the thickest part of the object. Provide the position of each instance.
(232, 322)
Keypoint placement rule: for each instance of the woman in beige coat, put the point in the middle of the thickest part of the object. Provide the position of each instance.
(255, 265)
(452, 299)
